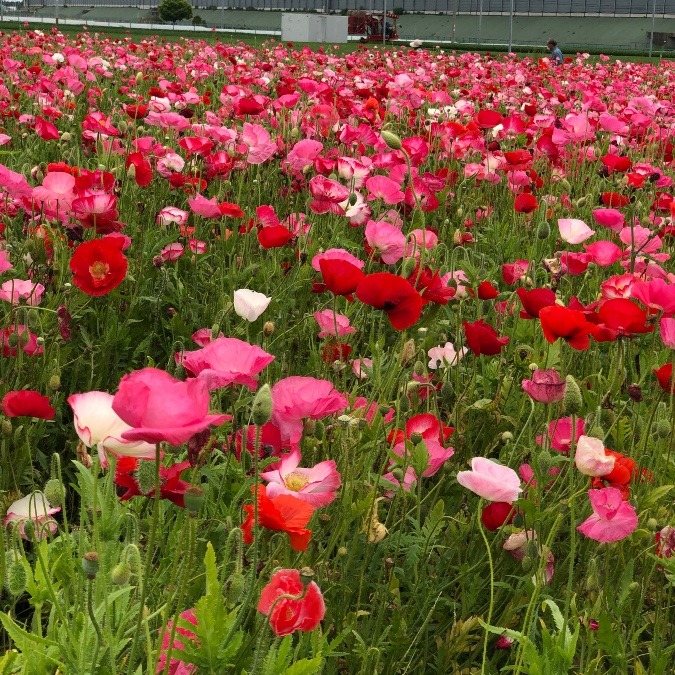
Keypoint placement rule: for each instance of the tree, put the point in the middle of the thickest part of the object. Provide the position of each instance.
(175, 10)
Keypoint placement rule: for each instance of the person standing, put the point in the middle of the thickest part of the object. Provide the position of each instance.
(556, 54)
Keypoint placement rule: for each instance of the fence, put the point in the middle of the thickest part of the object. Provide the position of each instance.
(636, 8)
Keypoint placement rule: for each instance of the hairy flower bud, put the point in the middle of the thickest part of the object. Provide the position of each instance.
(261, 410)
(391, 139)
(15, 577)
(54, 492)
(121, 574)
(572, 401)
(145, 477)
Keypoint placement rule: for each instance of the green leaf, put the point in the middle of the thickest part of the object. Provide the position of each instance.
(305, 666)
(655, 496)
(24, 640)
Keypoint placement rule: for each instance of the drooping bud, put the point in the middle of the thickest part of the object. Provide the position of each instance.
(121, 574)
(572, 401)
(662, 428)
(391, 139)
(15, 577)
(261, 410)
(54, 492)
(543, 230)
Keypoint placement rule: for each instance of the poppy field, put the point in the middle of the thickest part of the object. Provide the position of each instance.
(334, 363)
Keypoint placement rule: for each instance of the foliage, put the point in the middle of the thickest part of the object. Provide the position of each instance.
(172, 11)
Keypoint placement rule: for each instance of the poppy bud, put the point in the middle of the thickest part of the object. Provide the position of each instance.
(16, 578)
(607, 417)
(544, 230)
(54, 492)
(353, 199)
(507, 437)
(7, 428)
(194, 499)
(572, 400)
(55, 383)
(131, 171)
(90, 564)
(408, 352)
(261, 410)
(268, 328)
(447, 391)
(418, 368)
(132, 557)
(121, 574)
(235, 585)
(635, 392)
(526, 563)
(596, 431)
(662, 428)
(342, 551)
(145, 477)
(391, 139)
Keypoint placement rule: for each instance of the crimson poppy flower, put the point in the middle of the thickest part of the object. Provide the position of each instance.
(288, 614)
(664, 375)
(431, 286)
(284, 513)
(534, 301)
(486, 291)
(340, 276)
(525, 203)
(395, 295)
(620, 316)
(616, 163)
(513, 272)
(46, 130)
(274, 236)
(488, 119)
(230, 210)
(614, 200)
(99, 266)
(497, 514)
(27, 403)
(568, 324)
(171, 485)
(481, 338)
(142, 169)
(137, 111)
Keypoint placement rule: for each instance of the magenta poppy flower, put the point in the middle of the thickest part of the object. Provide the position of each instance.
(297, 398)
(667, 327)
(162, 408)
(316, 485)
(613, 518)
(385, 240)
(226, 361)
(492, 481)
(559, 433)
(545, 386)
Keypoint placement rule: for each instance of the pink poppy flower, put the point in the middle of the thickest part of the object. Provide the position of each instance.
(171, 214)
(226, 361)
(613, 518)
(447, 355)
(545, 386)
(297, 398)
(15, 290)
(574, 231)
(609, 218)
(559, 433)
(28, 343)
(258, 142)
(207, 208)
(33, 507)
(162, 408)
(667, 326)
(438, 455)
(336, 254)
(604, 253)
(492, 481)
(657, 295)
(381, 187)
(333, 324)
(316, 485)
(172, 252)
(56, 191)
(386, 241)
(590, 457)
(98, 426)
(183, 635)
(303, 154)
(4, 261)
(362, 368)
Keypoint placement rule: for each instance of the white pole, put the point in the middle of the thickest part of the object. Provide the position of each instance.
(480, 23)
(511, 27)
(651, 35)
(384, 23)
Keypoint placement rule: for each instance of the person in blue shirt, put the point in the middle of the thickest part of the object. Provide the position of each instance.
(556, 54)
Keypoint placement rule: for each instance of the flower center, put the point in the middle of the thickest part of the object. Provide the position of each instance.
(296, 481)
(99, 270)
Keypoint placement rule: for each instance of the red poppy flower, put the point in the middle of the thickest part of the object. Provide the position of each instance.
(284, 513)
(534, 301)
(171, 485)
(274, 236)
(616, 163)
(27, 403)
(497, 514)
(395, 295)
(286, 615)
(486, 291)
(525, 203)
(488, 119)
(513, 272)
(430, 285)
(664, 375)
(335, 351)
(142, 170)
(99, 266)
(620, 316)
(340, 276)
(46, 130)
(481, 338)
(230, 210)
(568, 324)
(137, 111)
(620, 476)
(614, 200)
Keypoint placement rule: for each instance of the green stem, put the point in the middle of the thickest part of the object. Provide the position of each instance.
(92, 617)
(492, 590)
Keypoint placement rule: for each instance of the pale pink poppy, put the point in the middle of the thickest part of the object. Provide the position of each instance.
(258, 142)
(297, 398)
(438, 455)
(618, 286)
(98, 426)
(33, 507)
(381, 187)
(559, 433)
(166, 120)
(56, 191)
(162, 408)
(362, 368)
(15, 290)
(316, 485)
(545, 386)
(613, 518)
(172, 252)
(327, 195)
(333, 324)
(4, 261)
(169, 164)
(197, 246)
(171, 214)
(14, 183)
(386, 241)
(590, 457)
(667, 327)
(492, 481)
(249, 304)
(225, 361)
(303, 154)
(447, 355)
(207, 208)
(574, 231)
